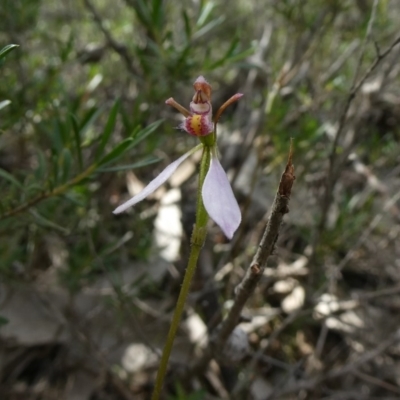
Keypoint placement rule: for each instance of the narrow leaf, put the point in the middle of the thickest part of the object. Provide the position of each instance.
(47, 223)
(205, 13)
(89, 118)
(5, 50)
(139, 164)
(116, 151)
(125, 120)
(142, 134)
(41, 168)
(188, 26)
(66, 162)
(129, 143)
(157, 14)
(4, 103)
(6, 175)
(208, 27)
(143, 13)
(77, 138)
(108, 129)
(54, 169)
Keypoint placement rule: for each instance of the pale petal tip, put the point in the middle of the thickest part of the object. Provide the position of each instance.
(120, 209)
(230, 231)
(230, 227)
(219, 200)
(200, 79)
(156, 182)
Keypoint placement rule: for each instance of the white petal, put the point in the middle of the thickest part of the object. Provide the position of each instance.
(156, 182)
(219, 200)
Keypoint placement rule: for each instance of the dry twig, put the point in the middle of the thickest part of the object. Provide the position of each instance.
(334, 166)
(255, 271)
(351, 367)
(119, 48)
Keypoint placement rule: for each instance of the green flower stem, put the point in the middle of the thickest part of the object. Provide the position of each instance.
(197, 241)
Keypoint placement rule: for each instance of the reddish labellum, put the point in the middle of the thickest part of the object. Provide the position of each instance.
(198, 125)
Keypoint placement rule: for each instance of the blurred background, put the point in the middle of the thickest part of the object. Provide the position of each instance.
(86, 297)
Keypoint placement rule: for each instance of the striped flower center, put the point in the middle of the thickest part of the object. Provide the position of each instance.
(198, 125)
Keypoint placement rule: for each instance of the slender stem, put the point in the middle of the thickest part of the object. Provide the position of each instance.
(51, 193)
(198, 237)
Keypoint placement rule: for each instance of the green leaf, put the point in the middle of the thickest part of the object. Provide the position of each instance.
(34, 187)
(157, 13)
(5, 50)
(128, 126)
(139, 164)
(4, 103)
(205, 13)
(67, 49)
(143, 13)
(142, 134)
(117, 151)
(89, 118)
(231, 56)
(47, 223)
(3, 321)
(66, 162)
(208, 27)
(41, 168)
(77, 137)
(54, 170)
(129, 143)
(108, 129)
(57, 136)
(6, 175)
(188, 26)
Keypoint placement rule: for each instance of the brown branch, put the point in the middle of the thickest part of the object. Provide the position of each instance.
(337, 372)
(59, 190)
(376, 381)
(255, 271)
(119, 48)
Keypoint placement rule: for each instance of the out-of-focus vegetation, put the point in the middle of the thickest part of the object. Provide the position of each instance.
(86, 297)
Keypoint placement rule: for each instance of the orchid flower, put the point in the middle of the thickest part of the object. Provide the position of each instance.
(217, 195)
